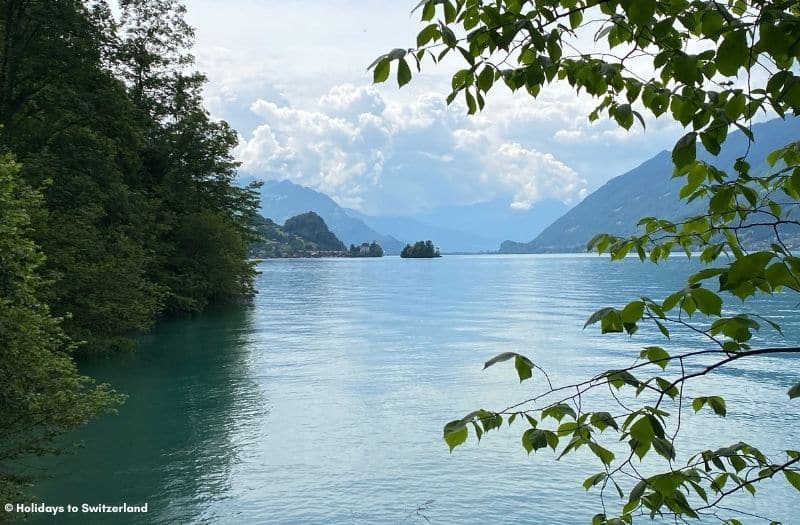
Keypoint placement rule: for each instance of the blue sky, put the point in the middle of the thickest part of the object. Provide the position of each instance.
(293, 82)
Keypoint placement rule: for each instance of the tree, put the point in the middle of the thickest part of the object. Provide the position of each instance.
(715, 67)
(142, 216)
(187, 162)
(420, 250)
(42, 395)
(75, 133)
(375, 250)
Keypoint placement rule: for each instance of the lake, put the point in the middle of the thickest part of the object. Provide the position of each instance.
(324, 402)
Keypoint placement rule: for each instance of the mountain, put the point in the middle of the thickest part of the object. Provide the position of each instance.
(281, 200)
(301, 236)
(448, 240)
(650, 190)
(311, 227)
(470, 228)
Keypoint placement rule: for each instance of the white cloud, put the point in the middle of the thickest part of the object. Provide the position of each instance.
(533, 175)
(395, 157)
(294, 84)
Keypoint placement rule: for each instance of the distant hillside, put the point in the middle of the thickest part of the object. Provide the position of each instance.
(649, 190)
(470, 228)
(301, 236)
(449, 240)
(311, 227)
(281, 200)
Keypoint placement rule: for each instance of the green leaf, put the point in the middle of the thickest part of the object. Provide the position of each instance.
(429, 11)
(403, 73)
(381, 71)
(611, 323)
(605, 455)
(642, 432)
(707, 301)
(505, 356)
(604, 420)
(591, 481)
(632, 312)
(486, 79)
(455, 433)
(534, 439)
(638, 491)
(685, 150)
(656, 355)
(732, 53)
(641, 12)
(747, 267)
(524, 367)
(664, 448)
(794, 391)
(717, 404)
(426, 35)
(662, 329)
(666, 484)
(698, 403)
(597, 316)
(793, 478)
(575, 19)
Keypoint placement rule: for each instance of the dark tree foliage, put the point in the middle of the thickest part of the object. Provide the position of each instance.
(41, 393)
(142, 217)
(372, 249)
(312, 227)
(420, 250)
(137, 214)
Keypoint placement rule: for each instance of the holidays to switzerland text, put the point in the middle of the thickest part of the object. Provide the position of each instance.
(43, 508)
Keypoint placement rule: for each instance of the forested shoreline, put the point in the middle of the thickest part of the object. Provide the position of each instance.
(118, 205)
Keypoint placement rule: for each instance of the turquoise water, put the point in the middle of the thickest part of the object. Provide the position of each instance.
(324, 402)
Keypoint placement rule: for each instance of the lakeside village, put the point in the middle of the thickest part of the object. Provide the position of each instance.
(307, 236)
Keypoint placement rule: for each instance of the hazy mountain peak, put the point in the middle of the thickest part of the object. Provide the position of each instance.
(650, 190)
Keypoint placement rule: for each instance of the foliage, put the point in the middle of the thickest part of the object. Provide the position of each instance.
(304, 235)
(372, 249)
(141, 216)
(309, 236)
(311, 227)
(42, 395)
(420, 250)
(138, 214)
(713, 66)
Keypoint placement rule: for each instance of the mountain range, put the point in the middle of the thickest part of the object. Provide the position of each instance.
(650, 190)
(616, 207)
(301, 236)
(283, 199)
(477, 227)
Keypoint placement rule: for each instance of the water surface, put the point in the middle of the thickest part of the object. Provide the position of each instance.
(324, 402)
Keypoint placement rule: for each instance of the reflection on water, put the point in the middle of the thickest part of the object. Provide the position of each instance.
(193, 404)
(324, 402)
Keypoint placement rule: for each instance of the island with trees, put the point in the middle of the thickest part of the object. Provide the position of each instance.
(366, 250)
(420, 250)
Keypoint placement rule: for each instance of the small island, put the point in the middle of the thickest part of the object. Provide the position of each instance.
(420, 250)
(366, 250)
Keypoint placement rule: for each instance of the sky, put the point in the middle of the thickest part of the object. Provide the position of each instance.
(293, 82)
